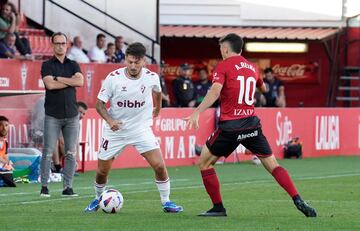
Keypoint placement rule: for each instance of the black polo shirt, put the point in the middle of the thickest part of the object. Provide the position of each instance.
(60, 103)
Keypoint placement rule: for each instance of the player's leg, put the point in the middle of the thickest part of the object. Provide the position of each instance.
(211, 182)
(162, 180)
(261, 147)
(52, 128)
(147, 144)
(111, 146)
(218, 144)
(70, 133)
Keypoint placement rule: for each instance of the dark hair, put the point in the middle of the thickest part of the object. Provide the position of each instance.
(3, 118)
(58, 34)
(136, 49)
(268, 70)
(110, 44)
(235, 42)
(100, 36)
(82, 104)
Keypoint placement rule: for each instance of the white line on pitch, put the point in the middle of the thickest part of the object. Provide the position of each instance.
(181, 188)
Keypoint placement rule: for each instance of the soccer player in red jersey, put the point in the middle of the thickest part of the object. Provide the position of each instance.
(235, 80)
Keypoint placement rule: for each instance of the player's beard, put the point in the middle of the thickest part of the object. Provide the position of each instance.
(133, 73)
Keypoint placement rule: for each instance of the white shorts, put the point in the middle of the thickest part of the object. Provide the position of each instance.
(112, 144)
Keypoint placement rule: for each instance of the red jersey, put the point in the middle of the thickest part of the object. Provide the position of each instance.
(239, 79)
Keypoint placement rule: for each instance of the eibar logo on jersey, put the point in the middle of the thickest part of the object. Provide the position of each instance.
(130, 104)
(248, 135)
(142, 88)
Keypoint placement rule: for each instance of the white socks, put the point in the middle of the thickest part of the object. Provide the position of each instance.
(164, 190)
(99, 189)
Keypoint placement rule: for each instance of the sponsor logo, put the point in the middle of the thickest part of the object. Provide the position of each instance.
(284, 126)
(123, 88)
(4, 82)
(89, 77)
(130, 104)
(327, 132)
(248, 135)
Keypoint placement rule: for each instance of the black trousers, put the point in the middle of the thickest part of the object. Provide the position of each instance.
(8, 179)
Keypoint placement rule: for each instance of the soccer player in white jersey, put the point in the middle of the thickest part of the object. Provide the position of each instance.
(130, 91)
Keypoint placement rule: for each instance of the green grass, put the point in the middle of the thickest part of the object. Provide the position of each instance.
(253, 200)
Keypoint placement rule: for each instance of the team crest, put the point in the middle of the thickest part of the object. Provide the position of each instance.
(142, 88)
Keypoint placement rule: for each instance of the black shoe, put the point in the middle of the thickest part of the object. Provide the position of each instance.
(214, 213)
(44, 192)
(68, 192)
(305, 208)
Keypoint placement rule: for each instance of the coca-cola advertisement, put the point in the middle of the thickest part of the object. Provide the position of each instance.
(296, 71)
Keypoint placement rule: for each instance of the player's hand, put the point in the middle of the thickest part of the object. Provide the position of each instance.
(156, 112)
(193, 121)
(115, 125)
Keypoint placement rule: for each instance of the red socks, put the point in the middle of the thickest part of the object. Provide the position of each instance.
(282, 177)
(211, 183)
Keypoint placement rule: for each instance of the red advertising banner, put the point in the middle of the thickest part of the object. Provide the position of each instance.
(322, 131)
(296, 71)
(24, 77)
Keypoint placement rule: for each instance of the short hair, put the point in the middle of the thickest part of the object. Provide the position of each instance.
(119, 37)
(58, 34)
(110, 44)
(82, 104)
(3, 118)
(136, 49)
(99, 36)
(235, 42)
(268, 70)
(9, 34)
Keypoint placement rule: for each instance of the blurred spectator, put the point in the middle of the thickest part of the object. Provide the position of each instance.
(37, 124)
(183, 87)
(202, 87)
(260, 100)
(60, 151)
(164, 92)
(275, 95)
(6, 166)
(76, 52)
(97, 54)
(8, 49)
(9, 20)
(119, 46)
(110, 54)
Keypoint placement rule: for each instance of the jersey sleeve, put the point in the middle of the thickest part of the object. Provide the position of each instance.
(219, 74)
(157, 85)
(105, 92)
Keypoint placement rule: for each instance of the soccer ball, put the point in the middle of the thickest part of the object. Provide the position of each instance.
(111, 201)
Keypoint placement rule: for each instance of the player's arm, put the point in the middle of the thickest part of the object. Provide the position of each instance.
(157, 96)
(101, 109)
(281, 100)
(51, 84)
(262, 88)
(77, 80)
(211, 96)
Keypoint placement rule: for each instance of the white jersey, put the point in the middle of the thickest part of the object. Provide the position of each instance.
(130, 99)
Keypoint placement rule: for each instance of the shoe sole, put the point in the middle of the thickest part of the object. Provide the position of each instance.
(212, 215)
(74, 195)
(45, 195)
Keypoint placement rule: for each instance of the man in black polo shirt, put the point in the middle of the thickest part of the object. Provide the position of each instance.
(183, 87)
(60, 75)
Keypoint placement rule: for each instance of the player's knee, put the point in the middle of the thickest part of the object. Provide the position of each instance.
(159, 168)
(202, 165)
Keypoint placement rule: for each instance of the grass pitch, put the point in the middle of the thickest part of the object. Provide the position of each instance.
(252, 198)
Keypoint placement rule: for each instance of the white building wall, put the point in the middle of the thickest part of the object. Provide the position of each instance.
(307, 13)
